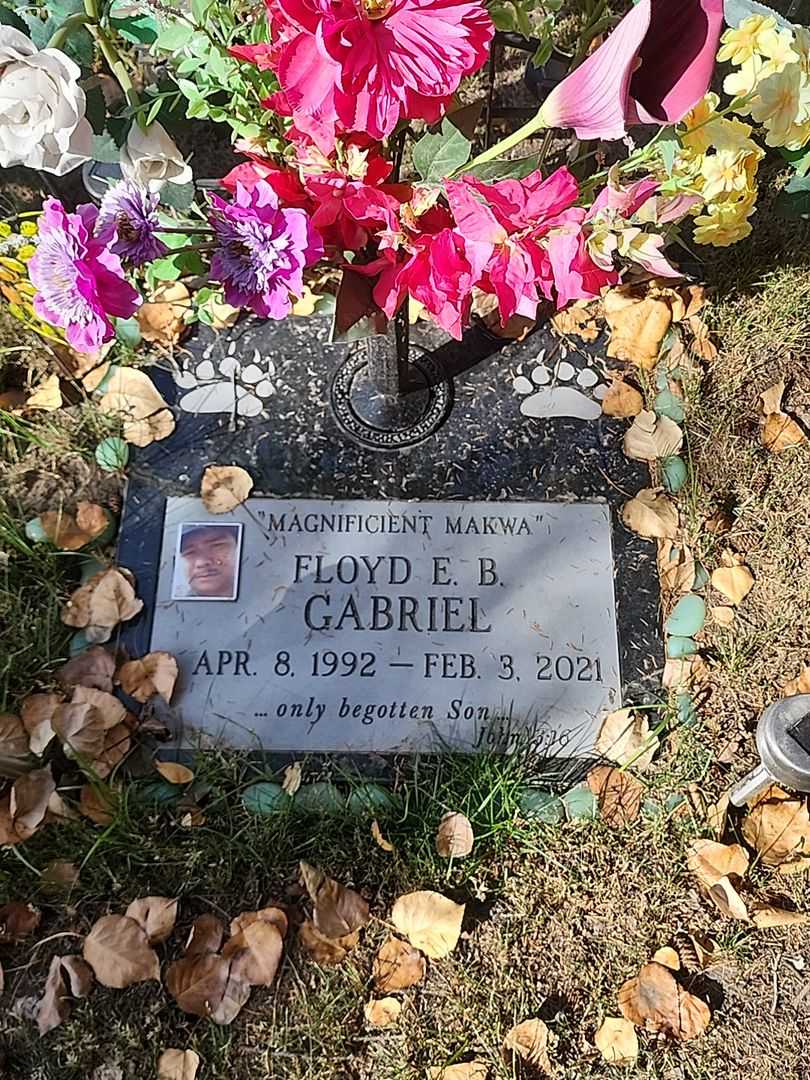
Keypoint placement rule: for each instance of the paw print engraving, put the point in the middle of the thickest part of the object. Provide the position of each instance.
(223, 384)
(563, 390)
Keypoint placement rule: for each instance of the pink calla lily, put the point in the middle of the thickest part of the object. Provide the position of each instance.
(655, 66)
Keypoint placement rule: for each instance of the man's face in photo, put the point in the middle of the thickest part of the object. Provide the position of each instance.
(209, 556)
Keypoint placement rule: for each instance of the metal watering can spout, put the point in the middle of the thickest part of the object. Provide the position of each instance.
(783, 742)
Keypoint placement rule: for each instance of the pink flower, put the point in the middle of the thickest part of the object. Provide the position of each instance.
(362, 65)
(79, 281)
(533, 238)
(654, 67)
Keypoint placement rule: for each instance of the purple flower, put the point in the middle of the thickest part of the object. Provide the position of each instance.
(262, 250)
(79, 281)
(128, 216)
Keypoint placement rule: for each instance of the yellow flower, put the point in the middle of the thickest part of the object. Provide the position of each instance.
(28, 228)
(17, 311)
(699, 123)
(5, 230)
(784, 100)
(734, 135)
(26, 251)
(797, 136)
(725, 224)
(801, 44)
(744, 82)
(723, 173)
(779, 50)
(754, 35)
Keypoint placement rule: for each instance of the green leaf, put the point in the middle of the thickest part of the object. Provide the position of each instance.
(139, 29)
(40, 31)
(516, 169)
(62, 9)
(799, 159)
(794, 201)
(105, 149)
(197, 109)
(152, 115)
(668, 147)
(177, 196)
(200, 8)
(128, 332)
(735, 11)
(112, 454)
(503, 17)
(435, 156)
(543, 53)
(9, 18)
(175, 36)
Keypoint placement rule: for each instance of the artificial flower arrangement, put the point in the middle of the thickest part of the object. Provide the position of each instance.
(328, 98)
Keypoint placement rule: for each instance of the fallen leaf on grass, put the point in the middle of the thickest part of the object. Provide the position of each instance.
(778, 827)
(82, 725)
(619, 795)
(93, 668)
(36, 713)
(529, 1042)
(465, 1070)
(99, 605)
(733, 579)
(292, 778)
(383, 1012)
(174, 773)
(224, 487)
(702, 344)
(118, 950)
(379, 839)
(205, 936)
(576, 319)
(767, 917)
(337, 910)
(430, 921)
(651, 515)
(616, 1041)
(717, 816)
(71, 533)
(178, 1065)
(17, 921)
(714, 865)
(454, 838)
(155, 673)
(328, 952)
(799, 685)
(13, 736)
(779, 431)
(54, 1007)
(47, 396)
(650, 437)
(162, 319)
(203, 983)
(638, 325)
(99, 804)
(667, 956)
(131, 396)
(60, 874)
(653, 1000)
(622, 399)
(676, 567)
(156, 915)
(30, 795)
(722, 615)
(256, 953)
(625, 739)
(397, 966)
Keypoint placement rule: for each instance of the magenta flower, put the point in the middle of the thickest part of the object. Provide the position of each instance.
(362, 65)
(655, 66)
(262, 250)
(128, 218)
(79, 280)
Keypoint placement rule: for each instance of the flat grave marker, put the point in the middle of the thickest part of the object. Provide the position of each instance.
(371, 625)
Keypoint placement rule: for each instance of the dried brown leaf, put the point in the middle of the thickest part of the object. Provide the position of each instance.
(292, 778)
(224, 487)
(709, 861)
(337, 910)
(383, 1012)
(162, 318)
(616, 1041)
(734, 582)
(781, 432)
(116, 746)
(653, 1000)
(36, 712)
(94, 668)
(17, 921)
(652, 515)
(454, 838)
(174, 773)
(118, 951)
(325, 951)
(578, 320)
(778, 827)
(255, 953)
(667, 956)
(13, 736)
(178, 1065)
(767, 917)
(99, 605)
(397, 966)
(772, 398)
(676, 567)
(625, 739)
(529, 1042)
(650, 437)
(273, 915)
(799, 685)
(59, 873)
(156, 915)
(464, 1070)
(47, 396)
(622, 399)
(54, 1007)
(430, 921)
(155, 673)
(131, 396)
(100, 804)
(206, 936)
(30, 795)
(618, 794)
(638, 325)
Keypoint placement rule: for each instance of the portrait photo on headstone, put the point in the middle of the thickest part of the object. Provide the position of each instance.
(206, 561)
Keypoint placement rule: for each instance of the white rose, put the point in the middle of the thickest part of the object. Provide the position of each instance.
(42, 122)
(151, 158)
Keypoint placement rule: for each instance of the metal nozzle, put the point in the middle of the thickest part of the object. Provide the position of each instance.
(751, 785)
